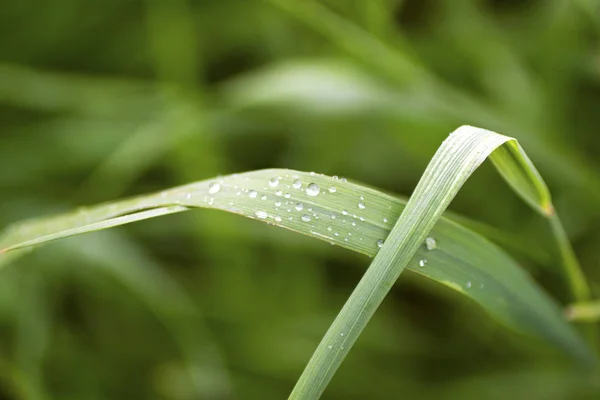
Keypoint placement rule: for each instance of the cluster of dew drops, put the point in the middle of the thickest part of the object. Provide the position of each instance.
(308, 215)
(312, 190)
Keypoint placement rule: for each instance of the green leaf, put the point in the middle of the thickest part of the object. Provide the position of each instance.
(358, 218)
(454, 162)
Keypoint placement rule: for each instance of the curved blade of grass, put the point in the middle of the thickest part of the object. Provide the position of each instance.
(454, 162)
(357, 218)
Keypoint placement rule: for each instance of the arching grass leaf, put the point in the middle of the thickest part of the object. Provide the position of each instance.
(346, 214)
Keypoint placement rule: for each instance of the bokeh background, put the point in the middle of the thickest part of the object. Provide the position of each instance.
(105, 99)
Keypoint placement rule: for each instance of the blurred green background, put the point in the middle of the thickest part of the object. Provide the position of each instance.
(105, 99)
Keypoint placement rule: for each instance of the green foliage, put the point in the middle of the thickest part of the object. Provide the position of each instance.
(100, 100)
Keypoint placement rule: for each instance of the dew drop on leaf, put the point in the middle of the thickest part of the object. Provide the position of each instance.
(273, 182)
(253, 194)
(422, 263)
(380, 243)
(261, 214)
(214, 187)
(313, 189)
(297, 184)
(306, 218)
(431, 243)
(299, 206)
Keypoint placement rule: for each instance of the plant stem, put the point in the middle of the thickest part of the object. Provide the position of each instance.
(580, 290)
(578, 285)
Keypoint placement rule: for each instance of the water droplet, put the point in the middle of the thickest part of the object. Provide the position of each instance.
(263, 198)
(277, 204)
(353, 223)
(279, 193)
(344, 212)
(313, 189)
(188, 196)
(261, 214)
(253, 194)
(299, 206)
(297, 184)
(422, 263)
(329, 229)
(385, 220)
(468, 285)
(278, 218)
(330, 347)
(335, 177)
(343, 180)
(362, 206)
(306, 218)
(336, 234)
(287, 195)
(214, 187)
(332, 189)
(273, 182)
(333, 216)
(342, 334)
(431, 243)
(380, 243)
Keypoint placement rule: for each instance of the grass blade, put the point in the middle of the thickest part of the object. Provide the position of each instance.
(360, 218)
(454, 162)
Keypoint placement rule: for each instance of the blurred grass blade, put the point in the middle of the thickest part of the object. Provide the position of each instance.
(360, 218)
(396, 61)
(128, 264)
(454, 162)
(584, 311)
